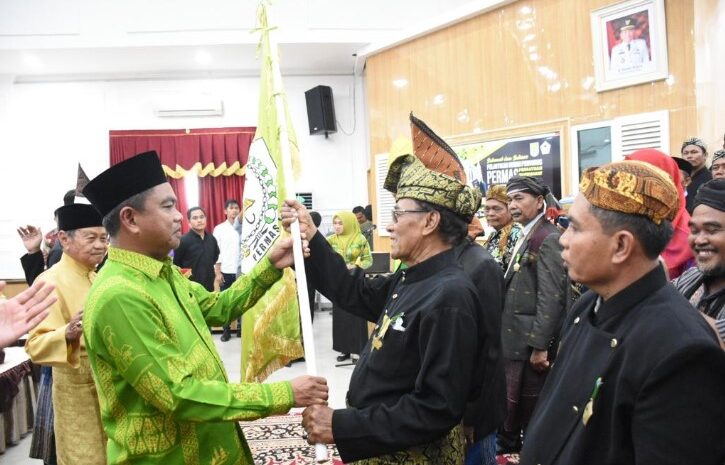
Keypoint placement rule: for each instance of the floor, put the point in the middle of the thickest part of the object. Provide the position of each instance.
(337, 378)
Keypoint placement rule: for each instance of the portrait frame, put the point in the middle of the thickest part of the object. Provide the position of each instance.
(629, 41)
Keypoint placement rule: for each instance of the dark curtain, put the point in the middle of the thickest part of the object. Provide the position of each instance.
(218, 156)
(214, 192)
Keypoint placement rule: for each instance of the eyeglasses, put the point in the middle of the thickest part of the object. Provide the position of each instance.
(395, 214)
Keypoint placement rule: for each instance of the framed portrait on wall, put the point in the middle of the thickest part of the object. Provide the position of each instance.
(630, 43)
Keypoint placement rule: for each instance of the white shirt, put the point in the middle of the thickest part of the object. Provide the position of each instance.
(629, 57)
(229, 251)
(525, 230)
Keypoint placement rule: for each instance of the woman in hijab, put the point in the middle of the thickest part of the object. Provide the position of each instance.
(349, 332)
(677, 255)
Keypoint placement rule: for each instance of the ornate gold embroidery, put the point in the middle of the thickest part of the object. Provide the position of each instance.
(219, 456)
(282, 397)
(262, 337)
(267, 275)
(123, 356)
(109, 401)
(194, 362)
(163, 339)
(251, 393)
(189, 444)
(448, 450)
(155, 391)
(148, 265)
(150, 434)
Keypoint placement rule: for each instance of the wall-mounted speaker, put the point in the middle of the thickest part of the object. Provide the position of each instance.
(321, 110)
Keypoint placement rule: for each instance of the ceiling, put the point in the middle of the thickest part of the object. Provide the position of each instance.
(56, 40)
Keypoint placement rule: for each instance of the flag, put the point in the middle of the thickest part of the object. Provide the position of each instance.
(271, 329)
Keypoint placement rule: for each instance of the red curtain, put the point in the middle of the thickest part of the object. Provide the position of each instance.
(180, 190)
(215, 148)
(214, 192)
(177, 147)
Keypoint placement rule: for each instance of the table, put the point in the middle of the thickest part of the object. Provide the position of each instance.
(17, 397)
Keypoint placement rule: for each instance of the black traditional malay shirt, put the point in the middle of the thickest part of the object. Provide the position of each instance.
(638, 380)
(417, 371)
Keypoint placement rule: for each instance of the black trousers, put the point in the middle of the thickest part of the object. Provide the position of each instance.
(229, 279)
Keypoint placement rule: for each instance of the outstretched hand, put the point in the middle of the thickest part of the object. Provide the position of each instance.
(310, 390)
(24, 311)
(282, 254)
(293, 210)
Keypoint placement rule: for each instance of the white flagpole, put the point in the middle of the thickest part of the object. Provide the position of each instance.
(304, 302)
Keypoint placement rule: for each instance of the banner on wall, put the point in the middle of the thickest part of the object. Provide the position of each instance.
(495, 162)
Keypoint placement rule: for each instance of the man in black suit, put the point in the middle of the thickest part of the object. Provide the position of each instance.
(639, 375)
(535, 304)
(486, 412)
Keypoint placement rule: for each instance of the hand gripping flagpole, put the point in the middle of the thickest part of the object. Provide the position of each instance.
(286, 155)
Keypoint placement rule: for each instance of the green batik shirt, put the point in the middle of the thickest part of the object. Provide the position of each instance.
(163, 391)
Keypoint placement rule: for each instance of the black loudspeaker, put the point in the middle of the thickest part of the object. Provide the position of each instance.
(321, 110)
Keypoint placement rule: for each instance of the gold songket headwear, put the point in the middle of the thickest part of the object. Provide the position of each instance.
(497, 192)
(632, 187)
(434, 174)
(408, 178)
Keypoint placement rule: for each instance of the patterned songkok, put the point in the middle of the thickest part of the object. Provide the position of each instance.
(408, 178)
(631, 187)
(526, 184)
(497, 192)
(694, 141)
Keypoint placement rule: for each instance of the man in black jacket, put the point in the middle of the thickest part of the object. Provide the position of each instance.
(639, 376)
(485, 414)
(535, 304)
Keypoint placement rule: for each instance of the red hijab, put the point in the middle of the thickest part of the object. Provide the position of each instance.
(677, 255)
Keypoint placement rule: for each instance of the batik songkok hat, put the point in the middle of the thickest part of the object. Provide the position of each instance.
(124, 180)
(433, 151)
(77, 216)
(497, 192)
(694, 141)
(712, 194)
(434, 175)
(631, 187)
(718, 155)
(526, 184)
(438, 156)
(408, 178)
(532, 186)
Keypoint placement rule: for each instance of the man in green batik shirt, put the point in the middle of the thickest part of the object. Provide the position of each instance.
(163, 391)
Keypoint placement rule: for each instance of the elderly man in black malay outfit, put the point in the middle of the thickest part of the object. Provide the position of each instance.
(486, 412)
(535, 304)
(409, 390)
(639, 376)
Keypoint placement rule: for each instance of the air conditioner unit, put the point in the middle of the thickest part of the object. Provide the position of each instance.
(188, 105)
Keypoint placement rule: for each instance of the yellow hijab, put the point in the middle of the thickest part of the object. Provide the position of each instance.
(350, 229)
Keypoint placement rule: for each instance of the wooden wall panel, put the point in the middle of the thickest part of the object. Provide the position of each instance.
(14, 288)
(526, 63)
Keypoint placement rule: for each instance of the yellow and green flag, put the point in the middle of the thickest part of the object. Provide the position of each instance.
(271, 329)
